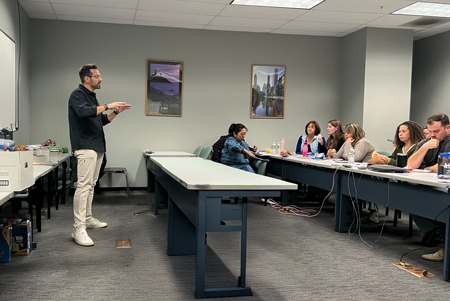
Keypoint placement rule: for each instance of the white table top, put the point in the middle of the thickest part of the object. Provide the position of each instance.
(429, 179)
(169, 154)
(196, 173)
(5, 196)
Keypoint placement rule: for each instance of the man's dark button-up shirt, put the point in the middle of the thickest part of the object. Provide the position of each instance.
(85, 126)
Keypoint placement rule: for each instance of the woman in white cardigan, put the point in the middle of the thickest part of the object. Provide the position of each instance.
(355, 137)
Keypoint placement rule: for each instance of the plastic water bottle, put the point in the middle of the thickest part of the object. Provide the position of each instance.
(278, 148)
(274, 148)
(282, 144)
(351, 156)
(305, 149)
(444, 166)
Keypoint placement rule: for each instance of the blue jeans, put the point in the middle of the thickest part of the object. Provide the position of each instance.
(245, 167)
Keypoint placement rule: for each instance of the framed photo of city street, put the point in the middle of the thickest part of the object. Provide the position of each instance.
(267, 91)
(164, 95)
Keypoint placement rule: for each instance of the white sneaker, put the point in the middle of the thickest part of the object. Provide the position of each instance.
(81, 237)
(95, 223)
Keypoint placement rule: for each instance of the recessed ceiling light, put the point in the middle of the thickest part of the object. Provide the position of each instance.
(425, 9)
(304, 4)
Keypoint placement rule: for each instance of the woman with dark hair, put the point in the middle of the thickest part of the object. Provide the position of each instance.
(336, 137)
(355, 137)
(407, 136)
(315, 142)
(236, 150)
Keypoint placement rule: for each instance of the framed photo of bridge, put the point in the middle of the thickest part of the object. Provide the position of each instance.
(164, 88)
(267, 91)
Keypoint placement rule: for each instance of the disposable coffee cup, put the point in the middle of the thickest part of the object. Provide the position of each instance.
(402, 160)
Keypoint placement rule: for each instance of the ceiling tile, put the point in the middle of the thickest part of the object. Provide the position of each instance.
(364, 6)
(161, 24)
(315, 26)
(307, 33)
(392, 20)
(37, 7)
(93, 12)
(338, 17)
(184, 7)
(247, 29)
(212, 1)
(247, 22)
(144, 15)
(95, 19)
(262, 12)
(101, 3)
(42, 16)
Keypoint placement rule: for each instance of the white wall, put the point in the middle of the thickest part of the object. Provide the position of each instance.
(216, 91)
(353, 76)
(431, 77)
(9, 23)
(387, 89)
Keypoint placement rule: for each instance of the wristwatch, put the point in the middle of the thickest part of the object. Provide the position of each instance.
(115, 112)
(106, 107)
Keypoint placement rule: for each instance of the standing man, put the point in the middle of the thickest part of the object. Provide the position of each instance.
(428, 151)
(86, 121)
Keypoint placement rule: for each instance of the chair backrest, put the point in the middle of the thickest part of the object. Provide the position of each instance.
(206, 152)
(262, 168)
(384, 153)
(198, 150)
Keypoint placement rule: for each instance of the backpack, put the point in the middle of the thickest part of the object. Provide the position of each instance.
(217, 148)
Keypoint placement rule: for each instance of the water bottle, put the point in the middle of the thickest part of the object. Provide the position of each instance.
(444, 166)
(305, 149)
(278, 148)
(351, 156)
(274, 148)
(282, 144)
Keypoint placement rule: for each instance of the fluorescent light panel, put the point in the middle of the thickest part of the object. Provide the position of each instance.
(425, 9)
(304, 4)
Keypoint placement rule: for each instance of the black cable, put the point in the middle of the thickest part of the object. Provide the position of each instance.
(435, 220)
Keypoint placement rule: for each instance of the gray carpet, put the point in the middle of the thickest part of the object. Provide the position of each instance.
(289, 258)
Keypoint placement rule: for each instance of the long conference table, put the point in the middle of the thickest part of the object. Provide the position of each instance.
(198, 193)
(417, 193)
(46, 171)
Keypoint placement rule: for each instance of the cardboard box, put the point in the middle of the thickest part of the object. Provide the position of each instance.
(41, 155)
(5, 242)
(16, 170)
(21, 238)
(22, 232)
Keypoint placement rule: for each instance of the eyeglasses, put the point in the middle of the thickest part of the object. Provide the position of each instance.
(95, 76)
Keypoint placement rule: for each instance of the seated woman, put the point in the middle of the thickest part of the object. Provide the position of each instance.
(315, 142)
(336, 136)
(355, 137)
(407, 135)
(236, 150)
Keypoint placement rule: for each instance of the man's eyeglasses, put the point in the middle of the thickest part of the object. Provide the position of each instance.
(95, 76)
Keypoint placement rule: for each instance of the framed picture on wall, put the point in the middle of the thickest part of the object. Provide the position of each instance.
(164, 95)
(267, 91)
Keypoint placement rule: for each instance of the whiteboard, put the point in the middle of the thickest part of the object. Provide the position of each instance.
(7, 81)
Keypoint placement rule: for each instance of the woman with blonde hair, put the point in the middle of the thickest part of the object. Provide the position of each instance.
(355, 137)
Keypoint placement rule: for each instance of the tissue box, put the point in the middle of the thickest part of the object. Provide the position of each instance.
(41, 155)
(55, 155)
(5, 242)
(16, 170)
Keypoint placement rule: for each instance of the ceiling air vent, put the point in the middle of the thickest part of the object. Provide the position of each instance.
(427, 22)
